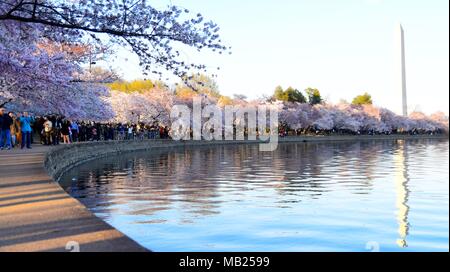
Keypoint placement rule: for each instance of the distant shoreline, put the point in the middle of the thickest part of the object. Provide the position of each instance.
(331, 138)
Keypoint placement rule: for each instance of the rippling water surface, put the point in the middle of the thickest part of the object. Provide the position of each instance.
(353, 196)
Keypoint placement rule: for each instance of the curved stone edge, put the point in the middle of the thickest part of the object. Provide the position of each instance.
(62, 158)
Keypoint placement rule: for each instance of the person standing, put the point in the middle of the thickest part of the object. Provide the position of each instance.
(89, 131)
(18, 129)
(75, 131)
(98, 127)
(111, 132)
(93, 132)
(48, 130)
(14, 128)
(25, 125)
(33, 129)
(56, 129)
(121, 129)
(130, 132)
(57, 125)
(5, 136)
(82, 132)
(39, 128)
(65, 131)
(161, 132)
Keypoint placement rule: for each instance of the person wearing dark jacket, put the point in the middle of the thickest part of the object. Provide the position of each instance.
(56, 129)
(65, 131)
(5, 135)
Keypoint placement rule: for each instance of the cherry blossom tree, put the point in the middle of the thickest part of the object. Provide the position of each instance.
(35, 79)
(440, 119)
(43, 44)
(24, 69)
(348, 118)
(149, 107)
(153, 35)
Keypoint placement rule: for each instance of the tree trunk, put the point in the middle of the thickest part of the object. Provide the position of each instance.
(4, 103)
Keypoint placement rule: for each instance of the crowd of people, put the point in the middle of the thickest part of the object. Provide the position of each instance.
(23, 129)
(55, 129)
(15, 130)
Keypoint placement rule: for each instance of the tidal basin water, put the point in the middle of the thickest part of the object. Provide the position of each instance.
(348, 196)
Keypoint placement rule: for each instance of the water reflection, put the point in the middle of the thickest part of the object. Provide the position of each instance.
(401, 184)
(302, 197)
(299, 171)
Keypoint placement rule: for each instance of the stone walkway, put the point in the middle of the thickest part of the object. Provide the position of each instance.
(37, 215)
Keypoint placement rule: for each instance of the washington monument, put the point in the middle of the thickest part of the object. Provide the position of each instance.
(402, 68)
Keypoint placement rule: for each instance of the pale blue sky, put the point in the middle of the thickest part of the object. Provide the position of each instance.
(342, 47)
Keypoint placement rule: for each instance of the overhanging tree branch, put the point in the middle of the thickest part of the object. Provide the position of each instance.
(6, 102)
(134, 22)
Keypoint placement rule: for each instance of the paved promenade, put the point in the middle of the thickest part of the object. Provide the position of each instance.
(37, 215)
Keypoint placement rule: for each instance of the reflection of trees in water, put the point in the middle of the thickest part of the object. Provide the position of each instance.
(318, 165)
(196, 179)
(357, 163)
(149, 184)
